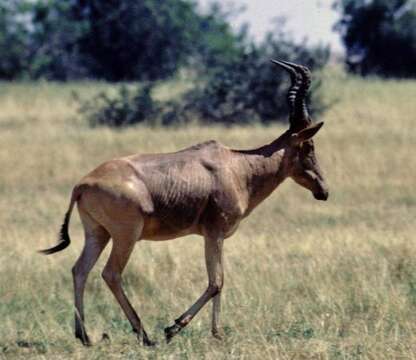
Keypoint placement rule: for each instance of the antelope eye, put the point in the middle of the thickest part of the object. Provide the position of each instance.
(305, 149)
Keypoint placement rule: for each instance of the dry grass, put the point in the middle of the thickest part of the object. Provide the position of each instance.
(304, 279)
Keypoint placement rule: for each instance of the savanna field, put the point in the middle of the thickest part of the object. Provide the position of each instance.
(303, 279)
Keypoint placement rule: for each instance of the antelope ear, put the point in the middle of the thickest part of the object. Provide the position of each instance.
(305, 134)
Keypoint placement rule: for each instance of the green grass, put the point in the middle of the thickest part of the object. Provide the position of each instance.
(303, 279)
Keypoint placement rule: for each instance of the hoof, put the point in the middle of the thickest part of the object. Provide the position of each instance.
(149, 343)
(85, 340)
(171, 331)
(105, 337)
(217, 335)
(146, 340)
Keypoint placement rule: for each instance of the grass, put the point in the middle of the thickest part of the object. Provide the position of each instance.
(303, 279)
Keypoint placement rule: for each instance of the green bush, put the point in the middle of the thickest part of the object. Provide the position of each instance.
(128, 107)
(243, 90)
(250, 89)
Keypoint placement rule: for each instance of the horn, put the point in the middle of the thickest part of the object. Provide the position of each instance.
(299, 116)
(294, 88)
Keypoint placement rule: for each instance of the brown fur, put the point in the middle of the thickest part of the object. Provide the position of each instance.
(206, 189)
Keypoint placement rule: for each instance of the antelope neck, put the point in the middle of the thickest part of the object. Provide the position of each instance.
(263, 170)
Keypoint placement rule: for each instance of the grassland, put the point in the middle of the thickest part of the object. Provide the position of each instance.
(304, 279)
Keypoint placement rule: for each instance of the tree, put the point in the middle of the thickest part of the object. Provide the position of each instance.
(13, 40)
(114, 40)
(131, 39)
(54, 42)
(149, 39)
(379, 35)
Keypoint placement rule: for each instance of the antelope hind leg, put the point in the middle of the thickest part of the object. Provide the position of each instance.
(122, 248)
(96, 238)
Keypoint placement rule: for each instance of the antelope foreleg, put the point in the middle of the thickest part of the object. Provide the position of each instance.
(213, 258)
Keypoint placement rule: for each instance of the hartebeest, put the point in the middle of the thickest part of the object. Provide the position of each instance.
(206, 189)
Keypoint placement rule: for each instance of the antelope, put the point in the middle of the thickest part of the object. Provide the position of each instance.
(206, 189)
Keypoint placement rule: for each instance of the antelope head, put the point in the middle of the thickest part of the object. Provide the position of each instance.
(303, 165)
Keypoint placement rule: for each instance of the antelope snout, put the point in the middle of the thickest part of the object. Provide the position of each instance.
(322, 195)
(321, 190)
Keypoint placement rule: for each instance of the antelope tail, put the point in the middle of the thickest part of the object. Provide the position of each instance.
(64, 239)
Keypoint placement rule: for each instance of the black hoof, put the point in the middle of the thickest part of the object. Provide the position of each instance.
(171, 331)
(149, 343)
(146, 341)
(105, 337)
(85, 340)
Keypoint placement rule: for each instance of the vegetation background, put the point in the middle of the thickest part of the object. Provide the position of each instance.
(303, 279)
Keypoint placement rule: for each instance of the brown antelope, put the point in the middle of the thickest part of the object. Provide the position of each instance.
(206, 189)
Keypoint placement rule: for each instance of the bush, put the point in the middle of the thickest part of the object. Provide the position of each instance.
(251, 89)
(240, 89)
(128, 107)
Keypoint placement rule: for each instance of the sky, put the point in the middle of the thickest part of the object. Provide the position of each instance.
(313, 19)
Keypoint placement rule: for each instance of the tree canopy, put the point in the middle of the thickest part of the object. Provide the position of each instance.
(111, 40)
(379, 36)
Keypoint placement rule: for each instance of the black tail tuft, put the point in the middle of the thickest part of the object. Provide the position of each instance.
(64, 239)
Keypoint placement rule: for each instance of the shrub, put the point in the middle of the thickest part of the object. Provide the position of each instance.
(241, 88)
(128, 107)
(250, 88)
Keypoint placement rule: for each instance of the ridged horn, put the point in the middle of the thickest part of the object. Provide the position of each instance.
(301, 81)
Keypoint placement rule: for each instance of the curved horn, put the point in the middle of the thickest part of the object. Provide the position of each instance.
(301, 108)
(294, 88)
(299, 116)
